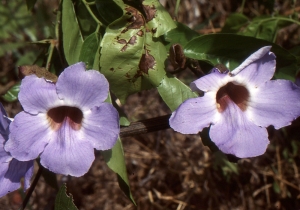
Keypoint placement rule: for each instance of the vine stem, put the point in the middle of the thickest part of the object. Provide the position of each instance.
(146, 126)
(32, 187)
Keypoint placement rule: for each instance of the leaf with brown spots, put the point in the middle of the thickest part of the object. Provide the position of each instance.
(158, 20)
(150, 12)
(136, 20)
(137, 60)
(147, 62)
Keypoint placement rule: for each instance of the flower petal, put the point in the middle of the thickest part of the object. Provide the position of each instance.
(5, 188)
(29, 136)
(28, 174)
(256, 69)
(84, 89)
(235, 134)
(194, 114)
(277, 103)
(4, 156)
(210, 82)
(68, 152)
(37, 95)
(101, 126)
(16, 170)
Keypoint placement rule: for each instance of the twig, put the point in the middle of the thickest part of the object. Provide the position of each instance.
(146, 126)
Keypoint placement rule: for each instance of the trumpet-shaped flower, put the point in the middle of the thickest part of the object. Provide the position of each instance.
(239, 105)
(11, 170)
(64, 121)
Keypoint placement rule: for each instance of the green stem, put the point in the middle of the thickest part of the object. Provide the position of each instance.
(177, 7)
(281, 18)
(90, 3)
(98, 28)
(50, 53)
(87, 5)
(242, 6)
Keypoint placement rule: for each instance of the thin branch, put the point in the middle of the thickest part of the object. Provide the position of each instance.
(146, 126)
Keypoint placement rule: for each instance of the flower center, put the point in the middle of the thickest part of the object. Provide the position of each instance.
(71, 115)
(239, 94)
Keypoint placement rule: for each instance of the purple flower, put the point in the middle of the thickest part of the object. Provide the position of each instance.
(64, 122)
(11, 170)
(239, 105)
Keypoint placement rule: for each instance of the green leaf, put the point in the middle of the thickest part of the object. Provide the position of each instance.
(71, 35)
(30, 4)
(174, 92)
(115, 157)
(220, 160)
(86, 22)
(231, 167)
(109, 10)
(234, 23)
(262, 27)
(96, 65)
(130, 57)
(288, 72)
(63, 201)
(89, 50)
(266, 27)
(15, 20)
(116, 161)
(124, 120)
(12, 94)
(154, 48)
(158, 20)
(181, 34)
(28, 58)
(219, 48)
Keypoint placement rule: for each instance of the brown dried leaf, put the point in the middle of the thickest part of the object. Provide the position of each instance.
(177, 56)
(136, 21)
(38, 71)
(150, 12)
(147, 62)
